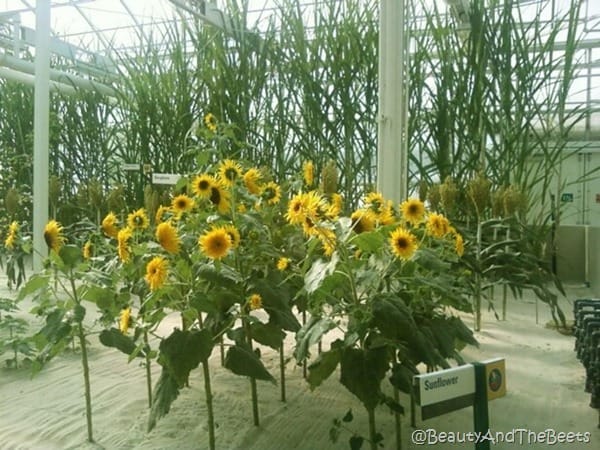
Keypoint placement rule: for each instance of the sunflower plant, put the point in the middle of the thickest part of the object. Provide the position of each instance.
(58, 293)
(17, 245)
(379, 282)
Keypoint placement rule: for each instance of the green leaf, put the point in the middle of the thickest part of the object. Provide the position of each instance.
(182, 351)
(348, 417)
(310, 334)
(356, 442)
(114, 338)
(362, 372)
(267, 334)
(78, 313)
(103, 297)
(241, 360)
(393, 318)
(323, 367)
(402, 377)
(165, 393)
(276, 303)
(55, 328)
(71, 255)
(34, 284)
(318, 272)
(370, 241)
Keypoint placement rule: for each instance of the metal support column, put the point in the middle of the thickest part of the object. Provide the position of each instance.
(392, 160)
(41, 130)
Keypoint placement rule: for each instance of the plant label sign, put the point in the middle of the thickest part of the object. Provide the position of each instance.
(495, 376)
(165, 178)
(445, 390)
(448, 390)
(130, 166)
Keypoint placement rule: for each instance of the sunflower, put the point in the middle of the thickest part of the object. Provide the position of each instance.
(283, 263)
(459, 244)
(210, 121)
(303, 206)
(255, 302)
(308, 173)
(229, 172)
(234, 235)
(167, 237)
(182, 204)
(403, 242)
(156, 272)
(13, 228)
(88, 250)
(53, 235)
(123, 237)
(251, 179)
(11, 238)
(220, 198)
(138, 220)
(215, 243)
(413, 211)
(387, 214)
(295, 212)
(162, 214)
(271, 193)
(335, 207)
(362, 221)
(375, 202)
(437, 225)
(328, 240)
(202, 185)
(109, 225)
(125, 320)
(9, 242)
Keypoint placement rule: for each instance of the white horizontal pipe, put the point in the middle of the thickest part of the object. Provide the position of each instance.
(56, 75)
(26, 78)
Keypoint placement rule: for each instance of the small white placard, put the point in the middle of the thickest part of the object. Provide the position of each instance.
(130, 166)
(446, 384)
(165, 178)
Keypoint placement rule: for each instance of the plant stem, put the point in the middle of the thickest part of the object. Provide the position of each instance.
(372, 431)
(477, 298)
(86, 381)
(148, 371)
(253, 390)
(222, 349)
(84, 363)
(398, 421)
(282, 371)
(209, 405)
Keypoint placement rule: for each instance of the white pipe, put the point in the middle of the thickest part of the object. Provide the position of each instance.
(41, 115)
(26, 78)
(392, 159)
(62, 77)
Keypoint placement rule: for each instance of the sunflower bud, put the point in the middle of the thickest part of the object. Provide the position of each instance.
(423, 187)
(54, 187)
(95, 193)
(448, 195)
(515, 201)
(478, 190)
(11, 201)
(498, 202)
(434, 197)
(151, 199)
(329, 178)
(116, 198)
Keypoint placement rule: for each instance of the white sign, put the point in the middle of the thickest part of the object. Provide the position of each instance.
(130, 166)
(435, 387)
(165, 178)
